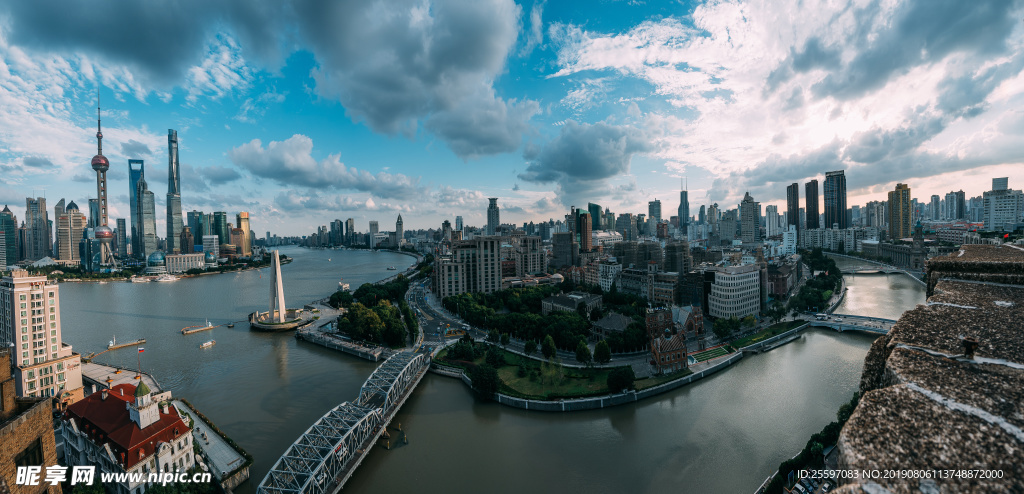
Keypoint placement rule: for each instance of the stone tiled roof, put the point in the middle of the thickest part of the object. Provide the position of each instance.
(927, 404)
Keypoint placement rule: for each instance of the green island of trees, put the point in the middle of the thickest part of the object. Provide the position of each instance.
(377, 313)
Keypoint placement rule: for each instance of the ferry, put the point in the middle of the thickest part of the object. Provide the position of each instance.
(166, 277)
(208, 344)
(113, 345)
(392, 268)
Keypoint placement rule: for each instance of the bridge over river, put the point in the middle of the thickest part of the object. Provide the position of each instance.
(323, 458)
(858, 265)
(845, 322)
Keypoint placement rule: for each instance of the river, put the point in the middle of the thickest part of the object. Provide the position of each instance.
(722, 434)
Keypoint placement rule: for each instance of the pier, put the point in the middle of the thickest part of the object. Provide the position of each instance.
(323, 458)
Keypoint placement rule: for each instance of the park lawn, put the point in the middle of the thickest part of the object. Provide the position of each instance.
(773, 330)
(710, 354)
(577, 382)
(651, 382)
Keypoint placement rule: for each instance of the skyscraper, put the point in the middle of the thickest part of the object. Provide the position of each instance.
(71, 224)
(1003, 206)
(197, 223)
(219, 227)
(58, 211)
(595, 216)
(101, 164)
(350, 231)
(458, 223)
(122, 239)
(135, 175)
(793, 205)
(242, 222)
(37, 229)
(654, 210)
(493, 216)
(750, 220)
(173, 192)
(684, 210)
(811, 205)
(585, 231)
(146, 212)
(94, 213)
(835, 199)
(899, 212)
(9, 230)
(935, 209)
(399, 231)
(186, 243)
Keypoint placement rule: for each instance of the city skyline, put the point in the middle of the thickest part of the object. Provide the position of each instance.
(557, 108)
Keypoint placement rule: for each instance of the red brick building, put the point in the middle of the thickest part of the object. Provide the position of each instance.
(26, 434)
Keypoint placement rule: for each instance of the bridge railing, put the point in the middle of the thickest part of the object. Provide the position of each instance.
(391, 379)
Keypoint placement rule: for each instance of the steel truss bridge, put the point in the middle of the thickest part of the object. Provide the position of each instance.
(323, 458)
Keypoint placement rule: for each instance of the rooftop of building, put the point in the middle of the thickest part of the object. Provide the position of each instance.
(613, 322)
(943, 390)
(104, 418)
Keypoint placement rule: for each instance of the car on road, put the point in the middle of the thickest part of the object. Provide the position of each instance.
(839, 319)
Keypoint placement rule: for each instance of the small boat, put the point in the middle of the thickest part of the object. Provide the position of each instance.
(230, 324)
(139, 279)
(166, 277)
(392, 268)
(344, 286)
(208, 344)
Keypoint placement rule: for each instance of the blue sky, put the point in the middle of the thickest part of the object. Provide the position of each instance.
(302, 112)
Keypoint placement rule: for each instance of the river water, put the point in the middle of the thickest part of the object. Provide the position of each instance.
(725, 433)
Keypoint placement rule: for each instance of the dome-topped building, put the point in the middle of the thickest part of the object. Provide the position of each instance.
(156, 263)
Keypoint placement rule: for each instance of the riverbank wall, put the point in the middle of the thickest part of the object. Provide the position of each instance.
(319, 338)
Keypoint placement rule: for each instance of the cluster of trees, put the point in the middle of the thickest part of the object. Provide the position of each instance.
(811, 457)
(371, 316)
(620, 379)
(723, 327)
(816, 292)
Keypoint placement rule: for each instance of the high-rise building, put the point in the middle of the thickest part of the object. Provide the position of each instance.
(58, 211)
(9, 232)
(121, 236)
(595, 216)
(71, 224)
(197, 223)
(136, 173)
(584, 226)
(146, 212)
(956, 206)
(899, 212)
(211, 245)
(458, 223)
(242, 222)
(835, 200)
(702, 216)
(793, 205)
(94, 213)
(684, 211)
(1003, 206)
(44, 364)
(399, 232)
(654, 210)
(750, 220)
(219, 227)
(811, 204)
(493, 216)
(186, 244)
(771, 221)
(174, 223)
(350, 231)
(935, 207)
(101, 231)
(474, 266)
(37, 229)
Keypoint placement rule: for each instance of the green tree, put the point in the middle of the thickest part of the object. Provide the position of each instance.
(493, 336)
(505, 340)
(602, 352)
(485, 380)
(776, 312)
(620, 379)
(530, 347)
(749, 322)
(721, 328)
(547, 347)
(494, 357)
(583, 352)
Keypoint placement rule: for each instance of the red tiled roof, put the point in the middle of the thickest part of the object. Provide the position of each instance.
(107, 421)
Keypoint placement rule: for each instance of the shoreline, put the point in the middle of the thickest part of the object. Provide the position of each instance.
(179, 276)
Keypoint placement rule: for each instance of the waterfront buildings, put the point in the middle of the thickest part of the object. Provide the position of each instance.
(244, 243)
(811, 204)
(493, 216)
(127, 429)
(211, 244)
(197, 223)
(30, 324)
(180, 263)
(121, 235)
(668, 346)
(473, 266)
(835, 200)
(793, 205)
(174, 223)
(1003, 207)
(146, 213)
(26, 433)
(899, 212)
(735, 292)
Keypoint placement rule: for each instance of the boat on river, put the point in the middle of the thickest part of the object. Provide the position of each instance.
(114, 345)
(392, 268)
(208, 344)
(166, 277)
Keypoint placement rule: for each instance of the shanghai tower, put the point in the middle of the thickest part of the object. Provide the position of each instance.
(174, 223)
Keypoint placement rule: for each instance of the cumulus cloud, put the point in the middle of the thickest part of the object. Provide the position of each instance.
(290, 162)
(583, 156)
(135, 149)
(37, 162)
(292, 200)
(451, 197)
(218, 175)
(483, 125)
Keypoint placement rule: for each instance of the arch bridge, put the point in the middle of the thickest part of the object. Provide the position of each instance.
(845, 322)
(323, 458)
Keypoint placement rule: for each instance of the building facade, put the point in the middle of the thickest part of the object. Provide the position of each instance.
(174, 223)
(735, 292)
(474, 266)
(835, 200)
(493, 216)
(899, 212)
(26, 433)
(811, 204)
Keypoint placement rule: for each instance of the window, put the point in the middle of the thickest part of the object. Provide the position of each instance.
(30, 456)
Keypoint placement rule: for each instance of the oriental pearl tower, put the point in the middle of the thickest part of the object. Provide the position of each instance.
(101, 164)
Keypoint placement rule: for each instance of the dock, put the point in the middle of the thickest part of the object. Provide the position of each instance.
(336, 342)
(196, 329)
(128, 344)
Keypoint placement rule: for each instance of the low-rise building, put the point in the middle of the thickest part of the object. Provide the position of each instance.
(613, 323)
(127, 429)
(570, 302)
(179, 263)
(26, 434)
